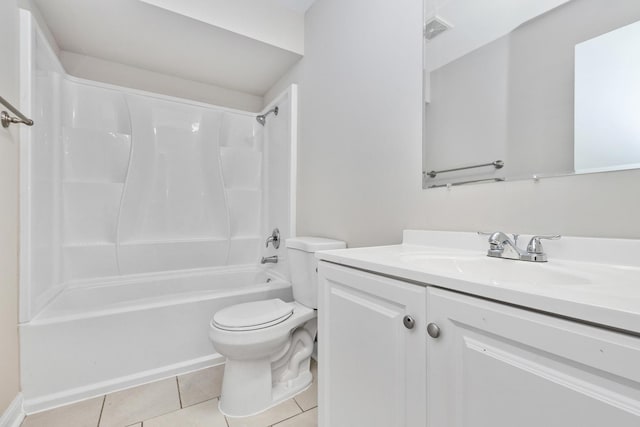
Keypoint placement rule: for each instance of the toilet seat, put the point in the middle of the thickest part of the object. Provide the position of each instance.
(253, 315)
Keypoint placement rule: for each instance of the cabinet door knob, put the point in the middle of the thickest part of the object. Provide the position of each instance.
(433, 330)
(409, 322)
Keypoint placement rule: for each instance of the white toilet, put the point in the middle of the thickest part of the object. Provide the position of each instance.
(268, 344)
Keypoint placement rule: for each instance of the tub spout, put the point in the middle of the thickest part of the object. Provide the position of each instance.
(269, 260)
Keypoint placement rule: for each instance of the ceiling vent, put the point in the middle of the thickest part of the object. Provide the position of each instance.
(434, 27)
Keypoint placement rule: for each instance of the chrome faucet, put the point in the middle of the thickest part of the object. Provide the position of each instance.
(502, 246)
(274, 239)
(269, 259)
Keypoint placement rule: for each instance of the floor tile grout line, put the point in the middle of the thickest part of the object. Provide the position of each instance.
(286, 419)
(104, 400)
(179, 394)
(294, 399)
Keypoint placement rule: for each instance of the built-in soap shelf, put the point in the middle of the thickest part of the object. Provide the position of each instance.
(96, 243)
(247, 237)
(174, 240)
(71, 182)
(243, 191)
(177, 254)
(93, 131)
(78, 244)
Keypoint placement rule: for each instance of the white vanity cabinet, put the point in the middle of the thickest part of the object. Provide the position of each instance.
(372, 371)
(496, 343)
(494, 365)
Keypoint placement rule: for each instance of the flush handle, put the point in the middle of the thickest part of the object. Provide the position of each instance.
(409, 322)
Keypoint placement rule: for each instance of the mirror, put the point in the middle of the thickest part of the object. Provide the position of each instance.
(528, 89)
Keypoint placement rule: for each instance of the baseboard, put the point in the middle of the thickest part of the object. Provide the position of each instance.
(14, 415)
(33, 405)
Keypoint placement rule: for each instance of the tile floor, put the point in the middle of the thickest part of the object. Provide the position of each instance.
(189, 400)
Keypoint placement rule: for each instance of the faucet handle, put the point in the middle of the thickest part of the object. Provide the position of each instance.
(274, 239)
(535, 245)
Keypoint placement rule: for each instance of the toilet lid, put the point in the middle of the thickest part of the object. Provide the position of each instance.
(253, 315)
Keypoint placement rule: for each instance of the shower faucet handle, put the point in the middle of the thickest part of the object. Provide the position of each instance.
(273, 239)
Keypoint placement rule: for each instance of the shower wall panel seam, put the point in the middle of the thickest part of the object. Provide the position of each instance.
(124, 189)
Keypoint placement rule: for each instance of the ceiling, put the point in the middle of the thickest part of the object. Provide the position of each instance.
(244, 45)
(299, 6)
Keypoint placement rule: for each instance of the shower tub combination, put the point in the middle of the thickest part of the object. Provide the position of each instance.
(141, 216)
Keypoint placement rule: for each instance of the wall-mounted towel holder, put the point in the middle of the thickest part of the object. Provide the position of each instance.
(474, 181)
(498, 164)
(6, 119)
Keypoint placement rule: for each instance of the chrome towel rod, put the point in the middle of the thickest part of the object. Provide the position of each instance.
(467, 182)
(498, 164)
(6, 119)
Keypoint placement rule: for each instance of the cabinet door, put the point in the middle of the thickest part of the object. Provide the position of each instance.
(371, 367)
(494, 365)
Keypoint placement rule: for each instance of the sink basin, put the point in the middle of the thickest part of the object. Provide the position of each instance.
(480, 268)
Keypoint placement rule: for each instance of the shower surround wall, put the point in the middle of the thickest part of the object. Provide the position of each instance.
(123, 182)
(154, 185)
(141, 216)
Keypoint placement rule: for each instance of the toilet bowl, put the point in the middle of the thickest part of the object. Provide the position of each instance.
(268, 344)
(260, 371)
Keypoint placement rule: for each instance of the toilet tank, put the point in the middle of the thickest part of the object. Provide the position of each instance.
(303, 266)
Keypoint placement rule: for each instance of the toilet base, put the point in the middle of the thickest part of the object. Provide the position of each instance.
(257, 394)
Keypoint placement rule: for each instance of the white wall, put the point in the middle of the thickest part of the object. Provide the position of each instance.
(360, 151)
(359, 156)
(100, 70)
(9, 89)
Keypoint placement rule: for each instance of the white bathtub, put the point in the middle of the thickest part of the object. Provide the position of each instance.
(101, 336)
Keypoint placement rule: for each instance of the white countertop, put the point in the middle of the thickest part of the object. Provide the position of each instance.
(594, 280)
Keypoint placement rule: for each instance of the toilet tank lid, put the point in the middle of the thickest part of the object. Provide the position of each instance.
(313, 244)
